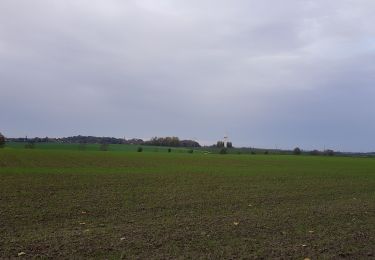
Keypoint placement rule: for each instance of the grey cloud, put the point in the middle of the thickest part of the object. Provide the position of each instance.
(282, 73)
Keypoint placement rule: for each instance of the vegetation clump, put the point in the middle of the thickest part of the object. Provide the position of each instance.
(140, 149)
(2, 141)
(329, 152)
(171, 141)
(220, 144)
(314, 152)
(297, 151)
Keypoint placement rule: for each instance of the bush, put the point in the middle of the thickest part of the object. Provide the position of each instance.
(329, 152)
(220, 144)
(266, 152)
(297, 151)
(190, 151)
(253, 152)
(169, 150)
(140, 149)
(314, 152)
(2, 141)
(223, 151)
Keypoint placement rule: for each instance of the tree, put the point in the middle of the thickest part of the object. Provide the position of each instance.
(297, 151)
(329, 152)
(2, 141)
(315, 152)
(220, 144)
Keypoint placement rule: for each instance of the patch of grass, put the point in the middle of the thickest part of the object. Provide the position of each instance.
(65, 203)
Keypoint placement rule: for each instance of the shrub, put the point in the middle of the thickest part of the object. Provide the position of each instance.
(266, 152)
(169, 150)
(2, 141)
(190, 151)
(220, 144)
(140, 149)
(329, 152)
(253, 152)
(297, 151)
(314, 152)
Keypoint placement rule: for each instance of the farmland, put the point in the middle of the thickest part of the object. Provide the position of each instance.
(61, 203)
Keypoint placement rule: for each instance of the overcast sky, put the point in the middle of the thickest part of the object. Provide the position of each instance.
(269, 73)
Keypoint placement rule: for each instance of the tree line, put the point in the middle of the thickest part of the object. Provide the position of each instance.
(155, 141)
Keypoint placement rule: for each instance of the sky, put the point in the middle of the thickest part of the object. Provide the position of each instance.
(270, 74)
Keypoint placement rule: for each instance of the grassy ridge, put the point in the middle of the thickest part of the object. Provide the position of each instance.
(58, 203)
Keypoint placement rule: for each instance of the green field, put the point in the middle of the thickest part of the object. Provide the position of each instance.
(58, 203)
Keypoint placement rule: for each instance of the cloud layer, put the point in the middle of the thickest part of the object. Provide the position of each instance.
(269, 73)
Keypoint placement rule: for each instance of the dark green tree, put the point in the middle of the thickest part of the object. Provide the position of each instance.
(297, 151)
(220, 144)
(2, 141)
(314, 152)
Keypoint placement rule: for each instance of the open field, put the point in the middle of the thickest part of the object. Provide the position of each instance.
(64, 203)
